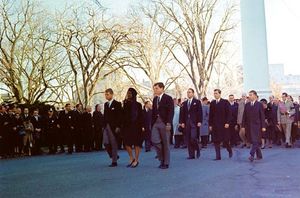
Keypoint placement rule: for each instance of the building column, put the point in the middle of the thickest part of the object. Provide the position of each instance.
(255, 51)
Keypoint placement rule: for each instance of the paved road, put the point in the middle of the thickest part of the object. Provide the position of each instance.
(87, 175)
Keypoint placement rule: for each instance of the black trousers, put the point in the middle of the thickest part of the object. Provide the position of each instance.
(70, 139)
(233, 135)
(218, 148)
(204, 140)
(79, 139)
(88, 139)
(98, 139)
(51, 140)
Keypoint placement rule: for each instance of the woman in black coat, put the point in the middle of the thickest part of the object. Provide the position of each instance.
(98, 121)
(132, 126)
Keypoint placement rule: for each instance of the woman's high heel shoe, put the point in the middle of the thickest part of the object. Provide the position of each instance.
(134, 166)
(130, 165)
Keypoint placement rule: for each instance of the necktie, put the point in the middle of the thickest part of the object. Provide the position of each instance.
(158, 100)
(189, 104)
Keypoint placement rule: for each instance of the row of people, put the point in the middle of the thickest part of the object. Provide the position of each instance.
(129, 124)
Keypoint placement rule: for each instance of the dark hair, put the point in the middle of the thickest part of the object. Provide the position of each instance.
(254, 92)
(96, 106)
(231, 95)
(146, 102)
(159, 84)
(179, 100)
(133, 93)
(204, 99)
(191, 90)
(109, 90)
(218, 90)
(285, 94)
(68, 104)
(78, 105)
(264, 101)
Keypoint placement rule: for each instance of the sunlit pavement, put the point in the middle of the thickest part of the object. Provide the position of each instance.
(88, 175)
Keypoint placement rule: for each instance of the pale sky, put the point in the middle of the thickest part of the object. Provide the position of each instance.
(283, 29)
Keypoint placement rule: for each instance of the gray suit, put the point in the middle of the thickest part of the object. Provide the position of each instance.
(241, 109)
(285, 115)
(242, 132)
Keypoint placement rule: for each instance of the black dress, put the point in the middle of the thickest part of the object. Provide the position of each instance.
(132, 123)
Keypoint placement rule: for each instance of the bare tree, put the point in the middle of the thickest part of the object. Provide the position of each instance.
(29, 60)
(150, 57)
(199, 33)
(92, 45)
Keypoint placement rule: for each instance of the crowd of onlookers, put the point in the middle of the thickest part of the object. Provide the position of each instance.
(25, 132)
(282, 121)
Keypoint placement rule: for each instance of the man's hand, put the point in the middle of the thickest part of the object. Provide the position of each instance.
(263, 129)
(210, 128)
(168, 127)
(117, 130)
(182, 125)
(199, 124)
(58, 126)
(226, 126)
(143, 129)
(236, 127)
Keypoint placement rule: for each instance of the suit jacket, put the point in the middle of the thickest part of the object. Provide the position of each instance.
(26, 117)
(241, 108)
(66, 120)
(234, 113)
(98, 120)
(113, 114)
(77, 119)
(147, 115)
(283, 108)
(165, 109)
(194, 113)
(274, 108)
(254, 121)
(297, 113)
(219, 115)
(87, 120)
(37, 123)
(51, 124)
(204, 130)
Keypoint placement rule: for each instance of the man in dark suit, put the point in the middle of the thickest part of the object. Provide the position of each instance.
(162, 117)
(254, 124)
(88, 129)
(147, 111)
(273, 104)
(25, 115)
(66, 123)
(112, 125)
(50, 129)
(38, 126)
(233, 126)
(191, 119)
(219, 119)
(78, 128)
